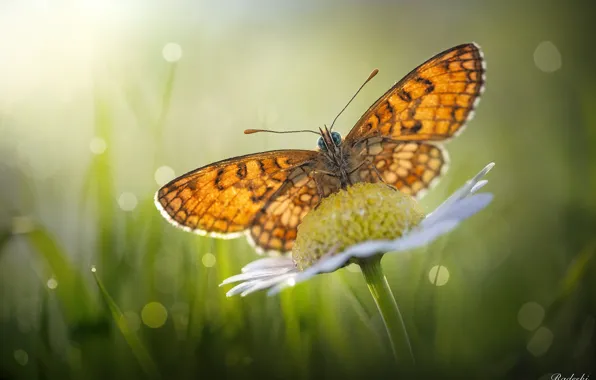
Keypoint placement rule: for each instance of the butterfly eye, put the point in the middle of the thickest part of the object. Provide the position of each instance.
(322, 144)
(336, 136)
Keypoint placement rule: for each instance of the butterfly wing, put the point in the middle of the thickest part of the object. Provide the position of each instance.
(432, 102)
(276, 225)
(397, 134)
(223, 198)
(411, 167)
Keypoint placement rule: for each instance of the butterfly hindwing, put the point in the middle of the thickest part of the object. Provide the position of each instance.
(275, 226)
(411, 167)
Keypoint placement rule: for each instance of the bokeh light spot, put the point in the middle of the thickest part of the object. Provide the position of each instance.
(438, 275)
(21, 357)
(127, 201)
(208, 259)
(547, 57)
(52, 283)
(154, 315)
(172, 52)
(530, 315)
(93, 269)
(97, 145)
(540, 342)
(164, 174)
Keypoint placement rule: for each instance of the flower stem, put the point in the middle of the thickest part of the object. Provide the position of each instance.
(394, 323)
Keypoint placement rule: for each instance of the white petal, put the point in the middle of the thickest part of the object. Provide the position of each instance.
(264, 284)
(256, 274)
(300, 277)
(254, 285)
(369, 248)
(240, 288)
(414, 239)
(443, 208)
(269, 263)
(470, 187)
(281, 286)
(478, 186)
(331, 263)
(483, 172)
(324, 265)
(465, 208)
(423, 236)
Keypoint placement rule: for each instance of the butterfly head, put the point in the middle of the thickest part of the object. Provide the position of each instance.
(329, 141)
(335, 138)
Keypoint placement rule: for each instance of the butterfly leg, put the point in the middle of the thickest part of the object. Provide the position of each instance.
(379, 174)
(359, 166)
(325, 172)
(371, 165)
(381, 177)
(319, 192)
(374, 168)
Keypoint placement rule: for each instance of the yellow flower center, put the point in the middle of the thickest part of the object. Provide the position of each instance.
(365, 211)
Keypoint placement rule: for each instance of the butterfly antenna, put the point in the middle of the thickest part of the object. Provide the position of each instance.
(251, 131)
(371, 76)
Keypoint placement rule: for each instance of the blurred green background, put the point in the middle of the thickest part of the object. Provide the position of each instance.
(102, 101)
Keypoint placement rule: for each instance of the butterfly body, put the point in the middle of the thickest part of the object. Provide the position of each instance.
(397, 141)
(335, 160)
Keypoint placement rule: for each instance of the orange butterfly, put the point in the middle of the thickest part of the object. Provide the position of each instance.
(266, 195)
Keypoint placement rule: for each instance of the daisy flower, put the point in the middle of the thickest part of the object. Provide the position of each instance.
(359, 225)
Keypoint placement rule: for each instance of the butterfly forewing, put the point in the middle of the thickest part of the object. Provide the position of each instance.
(430, 103)
(223, 198)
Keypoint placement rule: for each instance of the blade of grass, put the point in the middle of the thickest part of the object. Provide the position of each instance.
(165, 102)
(358, 306)
(577, 269)
(72, 291)
(155, 224)
(330, 325)
(135, 344)
(357, 303)
(134, 95)
(198, 290)
(103, 181)
(152, 243)
(231, 308)
(297, 304)
(292, 326)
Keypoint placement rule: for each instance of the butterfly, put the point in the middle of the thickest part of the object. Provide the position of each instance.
(397, 141)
